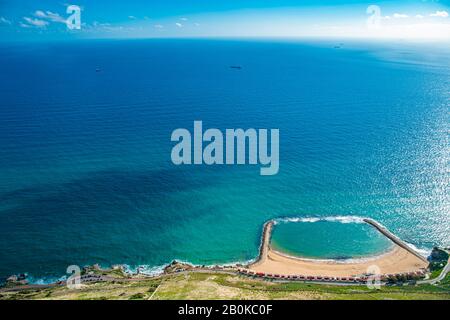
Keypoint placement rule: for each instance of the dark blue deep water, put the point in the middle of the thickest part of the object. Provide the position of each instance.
(85, 169)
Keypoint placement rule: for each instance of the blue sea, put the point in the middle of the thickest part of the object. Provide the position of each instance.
(86, 175)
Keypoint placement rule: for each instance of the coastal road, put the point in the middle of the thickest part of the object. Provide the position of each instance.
(441, 277)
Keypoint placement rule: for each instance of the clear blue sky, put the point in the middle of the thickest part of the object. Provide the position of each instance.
(44, 19)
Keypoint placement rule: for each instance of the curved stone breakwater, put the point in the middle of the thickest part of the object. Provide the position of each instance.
(394, 238)
(402, 260)
(265, 243)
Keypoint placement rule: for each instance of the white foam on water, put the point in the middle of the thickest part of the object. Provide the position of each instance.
(424, 252)
(147, 270)
(339, 219)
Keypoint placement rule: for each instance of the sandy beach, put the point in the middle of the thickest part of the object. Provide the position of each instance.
(400, 259)
(395, 261)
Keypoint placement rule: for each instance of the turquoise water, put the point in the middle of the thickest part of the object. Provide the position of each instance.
(86, 175)
(328, 239)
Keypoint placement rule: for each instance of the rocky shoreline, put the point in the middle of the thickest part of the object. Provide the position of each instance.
(96, 273)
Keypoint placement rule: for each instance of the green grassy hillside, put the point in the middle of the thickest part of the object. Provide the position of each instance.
(196, 285)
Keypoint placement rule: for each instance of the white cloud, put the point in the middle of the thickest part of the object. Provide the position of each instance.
(113, 28)
(179, 25)
(55, 17)
(400, 16)
(184, 19)
(418, 30)
(40, 13)
(132, 17)
(99, 24)
(3, 20)
(441, 14)
(419, 16)
(34, 22)
(197, 24)
(50, 16)
(159, 26)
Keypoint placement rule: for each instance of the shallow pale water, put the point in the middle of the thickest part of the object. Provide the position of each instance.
(329, 240)
(86, 175)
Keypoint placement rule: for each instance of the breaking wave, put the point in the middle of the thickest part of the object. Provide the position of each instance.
(339, 219)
